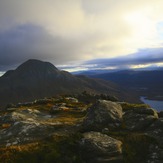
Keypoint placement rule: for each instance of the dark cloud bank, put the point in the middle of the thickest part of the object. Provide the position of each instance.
(34, 42)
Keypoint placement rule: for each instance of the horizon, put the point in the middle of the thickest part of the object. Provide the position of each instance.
(78, 70)
(82, 35)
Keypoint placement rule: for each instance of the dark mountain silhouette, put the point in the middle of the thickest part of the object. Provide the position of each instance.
(35, 79)
(145, 83)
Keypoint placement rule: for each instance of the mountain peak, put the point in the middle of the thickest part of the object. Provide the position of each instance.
(32, 68)
(36, 64)
(36, 68)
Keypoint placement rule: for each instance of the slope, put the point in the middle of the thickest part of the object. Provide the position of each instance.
(36, 79)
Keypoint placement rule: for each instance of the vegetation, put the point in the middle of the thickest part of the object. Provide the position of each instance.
(135, 145)
(91, 98)
(62, 146)
(66, 148)
(128, 106)
(59, 148)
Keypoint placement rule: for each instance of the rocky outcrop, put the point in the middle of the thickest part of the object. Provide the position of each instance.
(104, 114)
(138, 119)
(108, 117)
(111, 134)
(25, 125)
(100, 148)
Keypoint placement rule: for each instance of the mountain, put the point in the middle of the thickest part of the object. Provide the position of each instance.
(145, 83)
(36, 79)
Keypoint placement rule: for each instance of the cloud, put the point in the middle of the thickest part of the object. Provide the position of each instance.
(143, 57)
(61, 17)
(76, 30)
(31, 41)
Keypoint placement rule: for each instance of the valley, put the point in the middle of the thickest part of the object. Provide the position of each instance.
(146, 83)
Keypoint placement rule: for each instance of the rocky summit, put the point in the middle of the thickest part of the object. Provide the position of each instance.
(74, 129)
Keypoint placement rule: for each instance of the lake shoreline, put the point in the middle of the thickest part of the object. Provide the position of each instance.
(155, 104)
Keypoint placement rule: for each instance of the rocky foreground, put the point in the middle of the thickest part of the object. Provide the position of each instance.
(65, 129)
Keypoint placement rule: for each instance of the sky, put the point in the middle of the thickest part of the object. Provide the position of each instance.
(82, 34)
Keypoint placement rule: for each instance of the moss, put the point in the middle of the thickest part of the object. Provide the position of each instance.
(128, 106)
(88, 98)
(10, 154)
(5, 126)
(135, 145)
(58, 149)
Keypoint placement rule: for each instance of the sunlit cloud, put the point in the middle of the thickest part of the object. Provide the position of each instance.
(151, 59)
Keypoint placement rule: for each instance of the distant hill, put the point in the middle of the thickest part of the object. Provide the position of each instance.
(35, 79)
(145, 83)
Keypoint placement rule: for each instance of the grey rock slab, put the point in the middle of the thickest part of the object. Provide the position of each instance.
(103, 114)
(138, 119)
(99, 147)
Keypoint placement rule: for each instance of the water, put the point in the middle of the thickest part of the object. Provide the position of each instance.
(158, 105)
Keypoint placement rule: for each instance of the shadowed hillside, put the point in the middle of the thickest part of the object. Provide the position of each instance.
(35, 79)
(143, 83)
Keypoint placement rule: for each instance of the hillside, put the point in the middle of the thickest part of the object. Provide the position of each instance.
(35, 79)
(144, 83)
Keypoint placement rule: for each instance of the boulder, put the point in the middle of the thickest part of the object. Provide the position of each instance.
(25, 125)
(104, 114)
(138, 119)
(99, 147)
